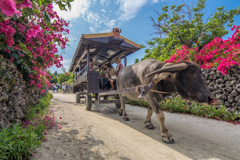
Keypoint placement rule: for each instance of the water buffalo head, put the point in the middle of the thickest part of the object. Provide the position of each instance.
(187, 80)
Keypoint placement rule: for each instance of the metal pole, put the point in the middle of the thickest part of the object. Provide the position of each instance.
(125, 59)
(73, 76)
(88, 58)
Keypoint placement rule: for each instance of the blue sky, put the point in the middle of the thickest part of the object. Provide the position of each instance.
(132, 16)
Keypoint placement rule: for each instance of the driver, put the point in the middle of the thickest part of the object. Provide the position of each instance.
(111, 73)
(91, 67)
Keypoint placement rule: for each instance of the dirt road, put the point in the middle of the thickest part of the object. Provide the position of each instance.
(102, 134)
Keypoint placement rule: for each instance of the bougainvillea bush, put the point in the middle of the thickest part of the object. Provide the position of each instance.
(30, 32)
(21, 139)
(218, 53)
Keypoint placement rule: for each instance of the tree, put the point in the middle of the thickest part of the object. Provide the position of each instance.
(30, 32)
(183, 25)
(136, 60)
(63, 78)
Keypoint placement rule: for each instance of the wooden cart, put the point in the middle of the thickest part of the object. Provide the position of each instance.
(102, 48)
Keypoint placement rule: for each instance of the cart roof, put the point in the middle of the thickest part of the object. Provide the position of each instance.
(103, 48)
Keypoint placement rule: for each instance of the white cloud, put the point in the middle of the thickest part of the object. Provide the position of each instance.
(156, 1)
(92, 29)
(79, 9)
(99, 24)
(129, 8)
(103, 10)
(93, 17)
(110, 23)
(105, 2)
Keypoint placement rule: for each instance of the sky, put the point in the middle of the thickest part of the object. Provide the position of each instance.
(132, 16)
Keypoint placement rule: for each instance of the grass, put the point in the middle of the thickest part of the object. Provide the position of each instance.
(178, 105)
(20, 141)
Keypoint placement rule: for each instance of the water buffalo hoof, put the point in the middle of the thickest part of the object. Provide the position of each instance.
(150, 127)
(126, 119)
(165, 140)
(168, 140)
(120, 113)
(171, 140)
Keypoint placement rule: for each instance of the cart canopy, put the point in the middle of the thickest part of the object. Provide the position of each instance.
(103, 48)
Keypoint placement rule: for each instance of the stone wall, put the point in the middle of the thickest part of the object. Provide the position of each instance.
(15, 94)
(226, 88)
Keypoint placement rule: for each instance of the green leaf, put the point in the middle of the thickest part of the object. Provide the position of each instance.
(23, 46)
(46, 18)
(15, 55)
(36, 11)
(3, 157)
(19, 61)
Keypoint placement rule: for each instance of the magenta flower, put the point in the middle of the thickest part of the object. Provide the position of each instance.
(26, 3)
(59, 127)
(8, 7)
(43, 90)
(60, 117)
(11, 59)
(10, 42)
(30, 75)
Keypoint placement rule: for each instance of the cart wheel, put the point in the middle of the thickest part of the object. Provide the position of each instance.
(118, 105)
(88, 102)
(77, 97)
(82, 101)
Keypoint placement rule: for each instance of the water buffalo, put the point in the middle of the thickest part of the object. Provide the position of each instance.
(184, 78)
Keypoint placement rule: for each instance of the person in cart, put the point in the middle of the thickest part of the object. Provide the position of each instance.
(119, 65)
(111, 74)
(91, 67)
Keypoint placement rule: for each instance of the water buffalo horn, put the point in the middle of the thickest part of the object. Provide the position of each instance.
(175, 67)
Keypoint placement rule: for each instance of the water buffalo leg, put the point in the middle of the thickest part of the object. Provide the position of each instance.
(148, 123)
(166, 136)
(122, 110)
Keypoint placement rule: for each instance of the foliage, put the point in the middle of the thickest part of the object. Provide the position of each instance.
(183, 25)
(20, 141)
(177, 104)
(136, 60)
(54, 77)
(218, 53)
(67, 78)
(30, 32)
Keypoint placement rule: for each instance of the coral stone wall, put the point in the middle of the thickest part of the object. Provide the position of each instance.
(226, 88)
(15, 94)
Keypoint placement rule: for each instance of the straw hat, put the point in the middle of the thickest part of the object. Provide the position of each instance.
(118, 59)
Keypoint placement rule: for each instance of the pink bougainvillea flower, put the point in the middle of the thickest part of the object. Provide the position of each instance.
(60, 117)
(30, 75)
(10, 42)
(32, 32)
(43, 90)
(26, 3)
(32, 82)
(6, 50)
(67, 73)
(59, 127)
(12, 58)
(45, 132)
(8, 7)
